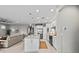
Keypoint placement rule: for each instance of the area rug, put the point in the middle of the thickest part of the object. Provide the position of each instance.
(43, 45)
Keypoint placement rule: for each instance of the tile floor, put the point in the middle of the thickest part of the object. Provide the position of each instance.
(18, 48)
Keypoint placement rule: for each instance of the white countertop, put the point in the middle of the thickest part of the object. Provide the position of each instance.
(32, 37)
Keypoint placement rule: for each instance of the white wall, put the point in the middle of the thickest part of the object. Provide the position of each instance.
(22, 29)
(66, 27)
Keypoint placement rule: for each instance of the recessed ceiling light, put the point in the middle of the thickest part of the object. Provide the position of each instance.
(38, 17)
(3, 27)
(37, 10)
(47, 17)
(54, 21)
(51, 10)
(46, 21)
(12, 29)
(30, 24)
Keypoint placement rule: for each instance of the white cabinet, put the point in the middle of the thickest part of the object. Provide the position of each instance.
(31, 44)
(27, 45)
(54, 42)
(35, 45)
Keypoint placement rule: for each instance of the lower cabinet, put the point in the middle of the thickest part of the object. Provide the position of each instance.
(31, 45)
(55, 42)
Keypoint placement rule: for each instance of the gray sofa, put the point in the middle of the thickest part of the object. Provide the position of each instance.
(11, 40)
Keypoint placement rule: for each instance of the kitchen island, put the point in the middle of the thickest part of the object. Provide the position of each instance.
(32, 44)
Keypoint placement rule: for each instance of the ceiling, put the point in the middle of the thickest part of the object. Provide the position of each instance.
(27, 14)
